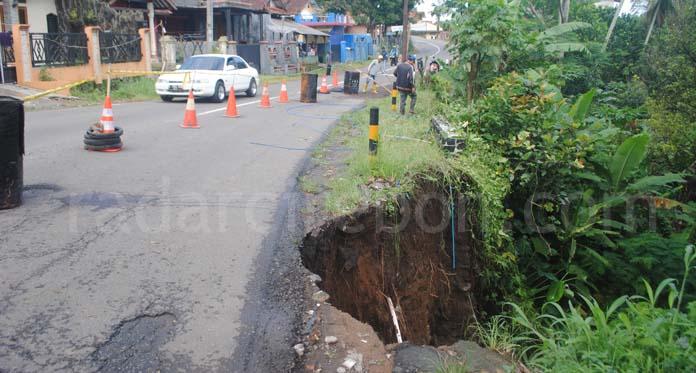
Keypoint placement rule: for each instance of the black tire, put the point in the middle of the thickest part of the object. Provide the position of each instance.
(99, 148)
(219, 95)
(253, 88)
(118, 131)
(167, 98)
(100, 142)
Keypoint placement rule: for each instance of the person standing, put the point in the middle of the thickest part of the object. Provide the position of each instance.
(406, 84)
(384, 60)
(372, 71)
(393, 54)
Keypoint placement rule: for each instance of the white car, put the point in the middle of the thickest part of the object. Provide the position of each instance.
(210, 75)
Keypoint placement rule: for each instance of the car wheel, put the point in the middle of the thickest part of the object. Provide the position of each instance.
(219, 95)
(167, 98)
(251, 91)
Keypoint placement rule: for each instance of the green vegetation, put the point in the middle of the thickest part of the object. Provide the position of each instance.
(308, 185)
(444, 366)
(125, 89)
(45, 75)
(581, 153)
(592, 117)
(633, 334)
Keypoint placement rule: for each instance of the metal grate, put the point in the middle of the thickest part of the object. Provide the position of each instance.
(60, 49)
(190, 45)
(8, 55)
(117, 48)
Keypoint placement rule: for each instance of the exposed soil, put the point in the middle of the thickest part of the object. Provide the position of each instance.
(367, 256)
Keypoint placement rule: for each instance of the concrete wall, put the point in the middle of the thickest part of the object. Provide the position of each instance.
(37, 11)
(28, 75)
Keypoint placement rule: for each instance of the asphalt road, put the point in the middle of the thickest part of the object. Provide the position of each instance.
(171, 255)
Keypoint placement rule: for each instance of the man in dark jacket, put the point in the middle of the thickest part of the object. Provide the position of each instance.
(406, 84)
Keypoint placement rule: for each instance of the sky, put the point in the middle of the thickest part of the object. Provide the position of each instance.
(427, 6)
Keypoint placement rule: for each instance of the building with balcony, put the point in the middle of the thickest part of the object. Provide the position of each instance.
(333, 24)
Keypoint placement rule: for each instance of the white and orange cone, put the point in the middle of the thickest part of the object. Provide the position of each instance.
(335, 79)
(107, 117)
(265, 97)
(232, 105)
(190, 119)
(324, 89)
(283, 93)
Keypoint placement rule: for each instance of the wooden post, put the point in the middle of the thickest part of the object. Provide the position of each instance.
(108, 82)
(404, 34)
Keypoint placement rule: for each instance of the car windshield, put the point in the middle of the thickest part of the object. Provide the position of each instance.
(203, 63)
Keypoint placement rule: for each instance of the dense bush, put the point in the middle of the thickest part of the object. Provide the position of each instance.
(575, 194)
(633, 334)
(670, 74)
(598, 145)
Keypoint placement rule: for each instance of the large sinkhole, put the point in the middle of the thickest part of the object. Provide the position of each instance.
(370, 255)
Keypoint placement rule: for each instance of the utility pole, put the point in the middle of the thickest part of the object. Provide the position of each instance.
(404, 34)
(209, 22)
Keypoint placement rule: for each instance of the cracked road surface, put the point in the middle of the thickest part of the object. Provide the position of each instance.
(175, 254)
(142, 260)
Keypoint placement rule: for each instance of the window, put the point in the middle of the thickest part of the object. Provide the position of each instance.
(22, 12)
(240, 63)
(203, 63)
(231, 62)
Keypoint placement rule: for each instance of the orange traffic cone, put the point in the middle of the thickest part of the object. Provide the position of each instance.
(190, 120)
(324, 89)
(335, 79)
(232, 105)
(265, 98)
(107, 117)
(283, 93)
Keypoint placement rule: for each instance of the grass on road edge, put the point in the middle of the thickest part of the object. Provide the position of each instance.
(139, 88)
(409, 153)
(142, 88)
(407, 149)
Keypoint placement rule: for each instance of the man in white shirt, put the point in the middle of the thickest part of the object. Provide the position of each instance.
(372, 71)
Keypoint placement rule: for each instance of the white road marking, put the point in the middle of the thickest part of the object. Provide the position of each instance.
(246, 104)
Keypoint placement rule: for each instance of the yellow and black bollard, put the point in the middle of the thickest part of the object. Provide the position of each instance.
(374, 132)
(394, 97)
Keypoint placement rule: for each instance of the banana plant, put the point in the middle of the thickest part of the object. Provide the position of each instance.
(586, 224)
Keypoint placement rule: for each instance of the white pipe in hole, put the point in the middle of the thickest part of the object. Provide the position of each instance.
(395, 320)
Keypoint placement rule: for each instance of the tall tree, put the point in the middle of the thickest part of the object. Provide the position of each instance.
(369, 12)
(656, 12)
(613, 24)
(563, 11)
(481, 32)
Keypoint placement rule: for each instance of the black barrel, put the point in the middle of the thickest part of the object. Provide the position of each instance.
(351, 83)
(11, 151)
(308, 88)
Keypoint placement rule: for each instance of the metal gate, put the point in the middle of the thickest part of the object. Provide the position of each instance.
(251, 53)
(188, 45)
(8, 72)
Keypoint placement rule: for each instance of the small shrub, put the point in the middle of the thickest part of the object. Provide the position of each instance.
(633, 334)
(45, 75)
